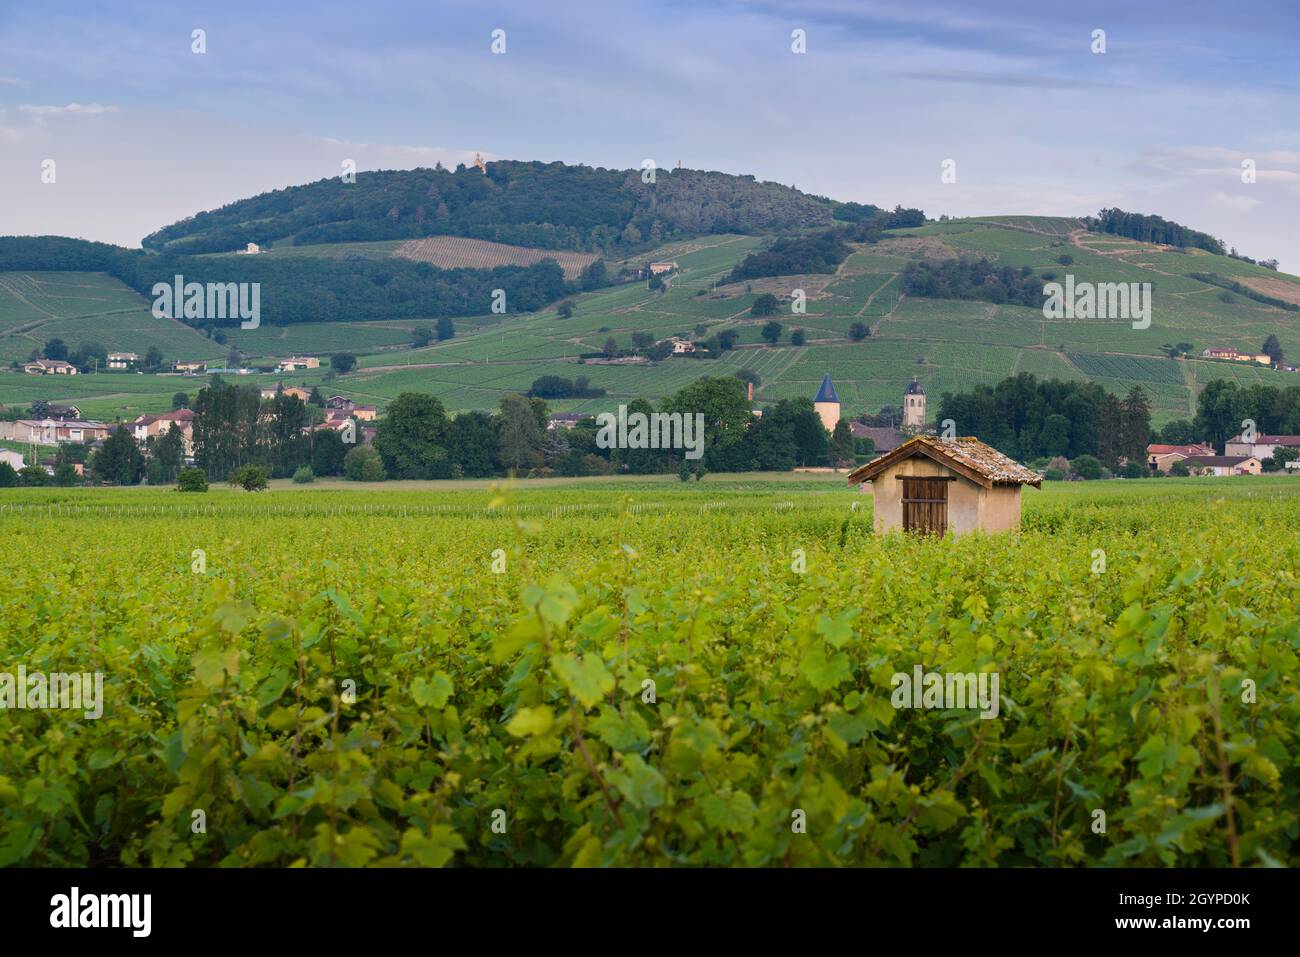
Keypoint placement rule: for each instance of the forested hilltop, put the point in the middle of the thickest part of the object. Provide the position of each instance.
(542, 205)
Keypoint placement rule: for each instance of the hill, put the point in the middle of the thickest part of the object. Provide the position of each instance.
(541, 205)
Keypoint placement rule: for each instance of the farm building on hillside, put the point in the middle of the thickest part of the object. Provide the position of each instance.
(932, 486)
(1223, 464)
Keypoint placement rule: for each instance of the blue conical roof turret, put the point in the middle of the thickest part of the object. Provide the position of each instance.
(827, 392)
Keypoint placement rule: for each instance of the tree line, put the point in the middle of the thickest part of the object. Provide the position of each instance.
(1028, 418)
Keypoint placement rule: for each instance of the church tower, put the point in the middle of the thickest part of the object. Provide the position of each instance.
(914, 406)
(827, 403)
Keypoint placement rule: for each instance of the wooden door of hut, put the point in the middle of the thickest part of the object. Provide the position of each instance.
(925, 505)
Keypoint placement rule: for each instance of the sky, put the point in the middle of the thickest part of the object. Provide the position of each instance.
(143, 130)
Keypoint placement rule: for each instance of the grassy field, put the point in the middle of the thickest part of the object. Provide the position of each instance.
(947, 345)
(643, 672)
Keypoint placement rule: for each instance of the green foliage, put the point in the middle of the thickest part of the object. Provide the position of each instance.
(354, 686)
(343, 362)
(192, 480)
(765, 305)
(251, 478)
(303, 476)
(363, 464)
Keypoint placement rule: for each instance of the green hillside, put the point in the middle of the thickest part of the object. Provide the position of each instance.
(947, 344)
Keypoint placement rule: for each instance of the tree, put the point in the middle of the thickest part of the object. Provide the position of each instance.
(88, 356)
(1087, 467)
(118, 460)
(303, 475)
(180, 400)
(315, 398)
(519, 433)
(765, 305)
(8, 476)
(363, 464)
(772, 332)
(34, 476)
(1135, 424)
(251, 478)
(473, 444)
(166, 452)
(1177, 432)
(565, 309)
(327, 452)
(859, 331)
(55, 349)
(446, 329)
(65, 474)
(153, 359)
(749, 376)
(611, 348)
(343, 362)
(657, 283)
(1180, 469)
(234, 359)
(191, 480)
(593, 276)
(1217, 413)
(412, 439)
(421, 336)
(797, 337)
(725, 407)
(842, 447)
(1273, 348)
(727, 339)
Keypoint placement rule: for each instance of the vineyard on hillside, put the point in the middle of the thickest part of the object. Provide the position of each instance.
(458, 252)
(650, 674)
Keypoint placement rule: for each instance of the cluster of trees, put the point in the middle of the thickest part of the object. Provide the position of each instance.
(543, 205)
(822, 252)
(1214, 279)
(1152, 229)
(968, 278)
(1028, 419)
(1223, 405)
(795, 255)
(558, 387)
(306, 289)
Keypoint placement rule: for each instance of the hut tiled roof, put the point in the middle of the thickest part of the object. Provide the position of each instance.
(968, 455)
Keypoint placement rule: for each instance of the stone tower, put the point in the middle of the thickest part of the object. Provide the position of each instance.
(827, 403)
(914, 406)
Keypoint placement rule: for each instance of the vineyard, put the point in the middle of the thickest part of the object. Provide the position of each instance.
(650, 674)
(458, 252)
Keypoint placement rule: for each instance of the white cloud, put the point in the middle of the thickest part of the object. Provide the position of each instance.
(12, 81)
(91, 109)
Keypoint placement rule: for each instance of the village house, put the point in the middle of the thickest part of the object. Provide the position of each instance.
(1223, 464)
(298, 391)
(50, 367)
(565, 420)
(365, 413)
(1161, 458)
(252, 249)
(63, 412)
(1263, 447)
(659, 268)
(294, 363)
(155, 425)
(934, 486)
(13, 459)
(681, 346)
(53, 431)
(122, 360)
(1262, 358)
(188, 367)
(885, 439)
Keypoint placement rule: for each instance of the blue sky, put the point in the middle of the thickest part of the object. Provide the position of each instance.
(144, 131)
